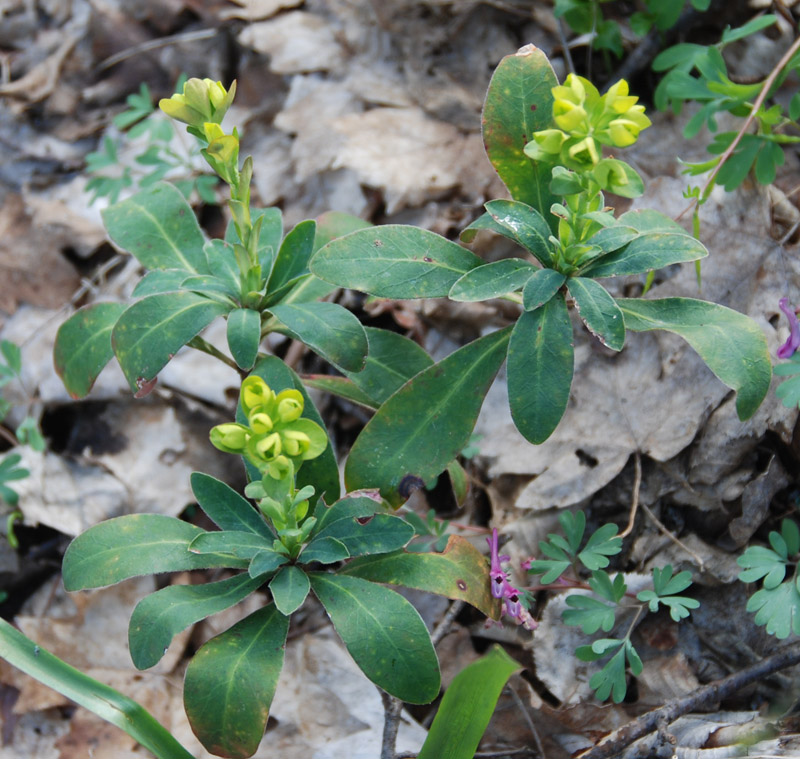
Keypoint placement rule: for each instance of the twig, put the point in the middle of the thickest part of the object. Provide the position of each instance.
(444, 626)
(663, 529)
(717, 691)
(144, 47)
(392, 706)
(528, 721)
(768, 82)
(637, 482)
(562, 36)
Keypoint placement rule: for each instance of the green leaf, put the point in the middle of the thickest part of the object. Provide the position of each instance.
(340, 386)
(791, 534)
(323, 471)
(231, 681)
(349, 507)
(540, 364)
(483, 222)
(648, 251)
(325, 550)
(244, 336)
(525, 225)
(333, 224)
(399, 442)
(159, 617)
(598, 311)
(602, 544)
(467, 707)
(159, 281)
(265, 562)
(613, 237)
(240, 544)
(551, 569)
(133, 545)
(392, 360)
(541, 287)
(589, 613)
(108, 704)
(83, 346)
(394, 261)
(210, 286)
(149, 333)
(293, 255)
(158, 227)
(610, 680)
(225, 507)
(492, 280)
(732, 345)
(381, 534)
(328, 329)
(601, 583)
(760, 562)
(221, 262)
(518, 103)
(574, 525)
(289, 589)
(383, 633)
(460, 573)
(777, 609)
(13, 355)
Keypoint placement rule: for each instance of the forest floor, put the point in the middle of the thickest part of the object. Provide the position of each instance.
(373, 107)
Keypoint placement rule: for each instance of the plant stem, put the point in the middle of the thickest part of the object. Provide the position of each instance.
(198, 343)
(759, 100)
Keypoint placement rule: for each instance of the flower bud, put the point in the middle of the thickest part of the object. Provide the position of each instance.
(231, 438)
(290, 405)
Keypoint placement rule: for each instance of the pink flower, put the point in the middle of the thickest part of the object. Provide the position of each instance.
(502, 588)
(793, 343)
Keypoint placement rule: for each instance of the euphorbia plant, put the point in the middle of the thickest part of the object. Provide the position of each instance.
(545, 141)
(288, 542)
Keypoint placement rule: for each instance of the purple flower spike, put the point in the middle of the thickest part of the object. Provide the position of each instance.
(793, 343)
(496, 573)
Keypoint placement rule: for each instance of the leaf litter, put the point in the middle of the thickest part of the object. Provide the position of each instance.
(374, 109)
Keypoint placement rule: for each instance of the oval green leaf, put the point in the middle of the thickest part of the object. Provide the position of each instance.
(400, 443)
(394, 261)
(240, 544)
(492, 280)
(149, 333)
(266, 561)
(133, 545)
(467, 707)
(231, 681)
(325, 551)
(83, 346)
(159, 617)
(518, 103)
(599, 312)
(328, 329)
(289, 589)
(159, 281)
(225, 507)
(381, 534)
(158, 227)
(384, 634)
(540, 365)
(541, 287)
(392, 360)
(732, 345)
(460, 573)
(526, 226)
(244, 336)
(293, 255)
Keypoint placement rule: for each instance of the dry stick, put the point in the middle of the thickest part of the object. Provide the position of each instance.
(392, 705)
(637, 482)
(539, 752)
(768, 82)
(620, 739)
(663, 529)
(143, 47)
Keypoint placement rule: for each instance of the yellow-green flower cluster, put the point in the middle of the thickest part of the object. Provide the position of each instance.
(203, 101)
(586, 120)
(276, 439)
